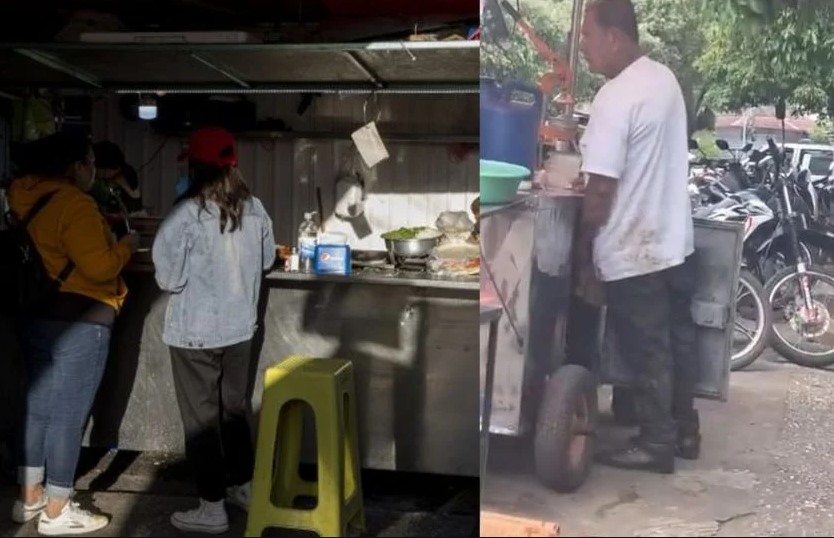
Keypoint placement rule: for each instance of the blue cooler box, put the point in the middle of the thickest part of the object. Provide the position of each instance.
(332, 260)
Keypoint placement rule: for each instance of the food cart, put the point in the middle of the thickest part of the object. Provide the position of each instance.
(539, 391)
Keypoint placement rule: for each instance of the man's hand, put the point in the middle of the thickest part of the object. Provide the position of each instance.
(578, 184)
(589, 288)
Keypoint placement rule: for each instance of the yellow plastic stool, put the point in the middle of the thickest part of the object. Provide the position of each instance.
(327, 386)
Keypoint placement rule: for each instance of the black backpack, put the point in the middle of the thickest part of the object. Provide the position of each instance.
(25, 285)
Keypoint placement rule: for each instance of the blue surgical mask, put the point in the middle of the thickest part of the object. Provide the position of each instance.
(182, 185)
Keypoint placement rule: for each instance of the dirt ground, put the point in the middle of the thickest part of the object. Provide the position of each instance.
(766, 469)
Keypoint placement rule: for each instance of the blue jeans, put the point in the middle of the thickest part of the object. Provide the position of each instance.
(65, 363)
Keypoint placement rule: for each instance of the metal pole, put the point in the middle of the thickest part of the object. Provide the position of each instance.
(573, 50)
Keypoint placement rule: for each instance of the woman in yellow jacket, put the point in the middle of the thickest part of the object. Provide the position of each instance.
(66, 342)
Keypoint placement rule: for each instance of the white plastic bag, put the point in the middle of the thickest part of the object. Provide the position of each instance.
(456, 226)
(370, 145)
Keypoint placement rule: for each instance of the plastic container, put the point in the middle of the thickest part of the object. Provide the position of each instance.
(332, 260)
(500, 181)
(307, 239)
(294, 262)
(333, 238)
(510, 122)
(561, 170)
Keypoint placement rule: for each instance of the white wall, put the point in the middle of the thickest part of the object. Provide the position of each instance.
(419, 180)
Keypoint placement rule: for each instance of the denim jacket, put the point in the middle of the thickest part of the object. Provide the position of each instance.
(213, 279)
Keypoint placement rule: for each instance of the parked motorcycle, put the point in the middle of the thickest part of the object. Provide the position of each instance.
(753, 317)
(801, 310)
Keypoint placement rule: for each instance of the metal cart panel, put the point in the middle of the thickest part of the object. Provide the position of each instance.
(718, 253)
(527, 246)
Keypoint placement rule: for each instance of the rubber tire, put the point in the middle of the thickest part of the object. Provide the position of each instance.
(796, 357)
(755, 352)
(570, 385)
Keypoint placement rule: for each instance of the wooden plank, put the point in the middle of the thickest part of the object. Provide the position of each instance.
(493, 524)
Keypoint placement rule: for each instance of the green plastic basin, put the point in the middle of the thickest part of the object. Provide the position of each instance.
(500, 181)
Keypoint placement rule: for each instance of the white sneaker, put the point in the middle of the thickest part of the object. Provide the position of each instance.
(23, 513)
(239, 496)
(72, 520)
(209, 517)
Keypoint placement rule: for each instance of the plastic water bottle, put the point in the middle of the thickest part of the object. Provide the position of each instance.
(307, 239)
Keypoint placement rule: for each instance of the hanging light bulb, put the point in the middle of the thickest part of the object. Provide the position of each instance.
(147, 107)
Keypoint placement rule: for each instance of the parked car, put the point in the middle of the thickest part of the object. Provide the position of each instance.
(817, 158)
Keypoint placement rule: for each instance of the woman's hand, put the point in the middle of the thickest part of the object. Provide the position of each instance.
(132, 240)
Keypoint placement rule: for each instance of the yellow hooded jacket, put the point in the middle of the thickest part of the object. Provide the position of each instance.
(70, 226)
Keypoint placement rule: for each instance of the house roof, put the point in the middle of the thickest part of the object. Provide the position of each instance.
(799, 125)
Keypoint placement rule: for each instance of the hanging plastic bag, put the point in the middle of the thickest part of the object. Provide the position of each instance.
(370, 145)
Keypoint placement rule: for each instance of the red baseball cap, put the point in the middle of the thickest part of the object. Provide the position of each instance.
(211, 145)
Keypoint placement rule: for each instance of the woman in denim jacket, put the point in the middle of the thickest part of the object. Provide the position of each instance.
(210, 255)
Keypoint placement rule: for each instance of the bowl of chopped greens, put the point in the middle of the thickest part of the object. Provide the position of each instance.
(416, 242)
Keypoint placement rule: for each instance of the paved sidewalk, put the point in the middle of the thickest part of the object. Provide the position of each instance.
(766, 469)
(140, 491)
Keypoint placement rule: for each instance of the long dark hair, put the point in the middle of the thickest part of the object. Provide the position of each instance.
(223, 185)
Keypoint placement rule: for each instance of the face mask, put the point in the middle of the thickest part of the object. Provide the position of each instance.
(182, 185)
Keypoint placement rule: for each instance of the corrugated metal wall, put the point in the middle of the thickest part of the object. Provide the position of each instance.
(411, 188)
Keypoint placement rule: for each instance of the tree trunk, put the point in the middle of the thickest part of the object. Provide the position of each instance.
(693, 105)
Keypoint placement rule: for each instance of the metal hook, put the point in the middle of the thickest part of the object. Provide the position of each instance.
(378, 108)
(375, 96)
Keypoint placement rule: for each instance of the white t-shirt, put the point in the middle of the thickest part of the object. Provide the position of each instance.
(637, 135)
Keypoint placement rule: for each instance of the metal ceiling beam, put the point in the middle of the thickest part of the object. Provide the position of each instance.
(364, 68)
(53, 62)
(381, 46)
(411, 89)
(224, 70)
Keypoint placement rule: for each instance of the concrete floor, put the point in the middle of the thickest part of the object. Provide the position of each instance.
(767, 469)
(140, 491)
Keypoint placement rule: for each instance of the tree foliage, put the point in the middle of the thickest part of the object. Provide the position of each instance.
(768, 10)
(727, 54)
(789, 56)
(669, 29)
(517, 60)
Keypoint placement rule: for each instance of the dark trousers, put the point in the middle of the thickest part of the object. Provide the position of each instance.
(651, 317)
(215, 407)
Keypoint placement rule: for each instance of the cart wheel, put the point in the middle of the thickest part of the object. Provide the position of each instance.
(564, 443)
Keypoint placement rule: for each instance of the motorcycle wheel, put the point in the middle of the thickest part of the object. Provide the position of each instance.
(778, 261)
(751, 305)
(789, 318)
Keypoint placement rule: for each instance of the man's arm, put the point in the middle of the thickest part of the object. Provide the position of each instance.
(596, 209)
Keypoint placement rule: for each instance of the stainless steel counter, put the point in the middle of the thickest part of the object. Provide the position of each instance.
(417, 280)
(363, 276)
(413, 343)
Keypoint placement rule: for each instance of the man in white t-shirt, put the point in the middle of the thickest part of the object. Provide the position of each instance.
(636, 233)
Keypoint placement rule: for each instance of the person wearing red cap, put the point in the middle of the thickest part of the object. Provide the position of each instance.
(210, 255)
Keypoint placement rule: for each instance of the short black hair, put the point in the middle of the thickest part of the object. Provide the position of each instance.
(109, 156)
(617, 14)
(52, 155)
